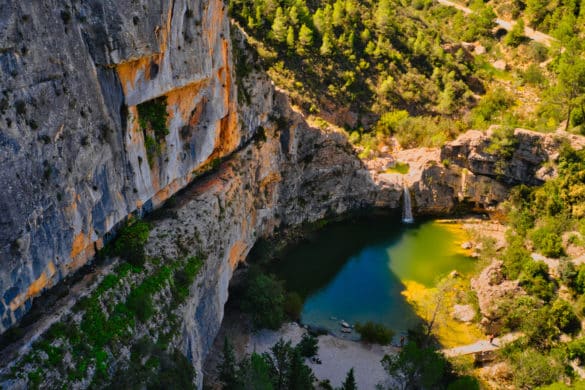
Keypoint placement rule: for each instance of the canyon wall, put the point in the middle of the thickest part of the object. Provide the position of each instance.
(76, 158)
(80, 156)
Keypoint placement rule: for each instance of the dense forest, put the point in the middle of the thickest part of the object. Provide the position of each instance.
(419, 72)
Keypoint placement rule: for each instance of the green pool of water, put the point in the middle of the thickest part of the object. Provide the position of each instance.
(356, 270)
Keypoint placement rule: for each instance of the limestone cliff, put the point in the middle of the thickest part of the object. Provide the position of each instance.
(86, 89)
(76, 158)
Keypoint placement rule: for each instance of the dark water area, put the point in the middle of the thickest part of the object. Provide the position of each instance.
(357, 270)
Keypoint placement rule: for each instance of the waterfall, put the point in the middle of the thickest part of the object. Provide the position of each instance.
(406, 206)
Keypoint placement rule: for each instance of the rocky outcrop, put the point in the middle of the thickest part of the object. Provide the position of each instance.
(493, 291)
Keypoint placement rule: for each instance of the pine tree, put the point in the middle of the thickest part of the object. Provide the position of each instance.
(290, 37)
(349, 383)
(227, 368)
(327, 45)
(279, 30)
(305, 39)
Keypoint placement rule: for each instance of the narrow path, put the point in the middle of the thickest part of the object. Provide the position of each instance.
(530, 33)
(481, 345)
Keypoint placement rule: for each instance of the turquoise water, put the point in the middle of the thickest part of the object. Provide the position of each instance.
(355, 270)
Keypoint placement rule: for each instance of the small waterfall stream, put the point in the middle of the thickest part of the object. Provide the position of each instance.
(406, 206)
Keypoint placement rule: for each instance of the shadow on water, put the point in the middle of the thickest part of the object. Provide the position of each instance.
(355, 270)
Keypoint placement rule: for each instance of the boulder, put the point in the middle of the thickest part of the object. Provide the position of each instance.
(463, 313)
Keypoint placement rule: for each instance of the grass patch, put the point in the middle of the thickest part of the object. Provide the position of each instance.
(399, 167)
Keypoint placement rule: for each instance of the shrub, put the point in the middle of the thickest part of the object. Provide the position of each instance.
(535, 280)
(564, 317)
(130, 242)
(548, 242)
(153, 114)
(372, 332)
(514, 258)
(533, 369)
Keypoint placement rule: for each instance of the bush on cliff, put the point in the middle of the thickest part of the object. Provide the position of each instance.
(130, 242)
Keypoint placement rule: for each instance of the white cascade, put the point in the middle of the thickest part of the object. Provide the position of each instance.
(406, 206)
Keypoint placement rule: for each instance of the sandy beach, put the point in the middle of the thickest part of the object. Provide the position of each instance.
(338, 356)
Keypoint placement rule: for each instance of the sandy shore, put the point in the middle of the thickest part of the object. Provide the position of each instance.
(338, 356)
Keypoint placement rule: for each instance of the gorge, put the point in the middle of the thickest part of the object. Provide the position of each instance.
(84, 93)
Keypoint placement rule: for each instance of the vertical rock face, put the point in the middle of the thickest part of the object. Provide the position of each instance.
(76, 157)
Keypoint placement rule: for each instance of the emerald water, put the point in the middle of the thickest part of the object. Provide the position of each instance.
(357, 270)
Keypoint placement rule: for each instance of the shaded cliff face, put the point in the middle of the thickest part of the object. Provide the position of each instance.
(76, 157)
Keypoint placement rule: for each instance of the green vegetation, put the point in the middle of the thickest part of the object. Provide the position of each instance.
(152, 118)
(371, 332)
(264, 300)
(110, 319)
(130, 242)
(375, 58)
(422, 367)
(267, 302)
(282, 368)
(152, 115)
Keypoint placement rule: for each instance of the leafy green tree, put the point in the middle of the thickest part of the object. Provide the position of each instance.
(349, 382)
(227, 368)
(338, 13)
(383, 16)
(264, 300)
(415, 368)
(571, 83)
(280, 363)
(372, 332)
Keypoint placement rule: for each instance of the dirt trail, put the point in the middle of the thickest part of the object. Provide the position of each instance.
(537, 36)
(481, 346)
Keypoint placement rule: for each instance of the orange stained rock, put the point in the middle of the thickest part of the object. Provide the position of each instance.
(182, 100)
(167, 192)
(237, 253)
(80, 242)
(43, 281)
(129, 71)
(216, 21)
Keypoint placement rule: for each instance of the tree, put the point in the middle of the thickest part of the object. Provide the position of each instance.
(349, 382)
(308, 346)
(300, 376)
(264, 300)
(327, 45)
(279, 30)
(227, 368)
(383, 16)
(290, 37)
(254, 372)
(305, 39)
(571, 83)
(516, 34)
(280, 363)
(415, 367)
